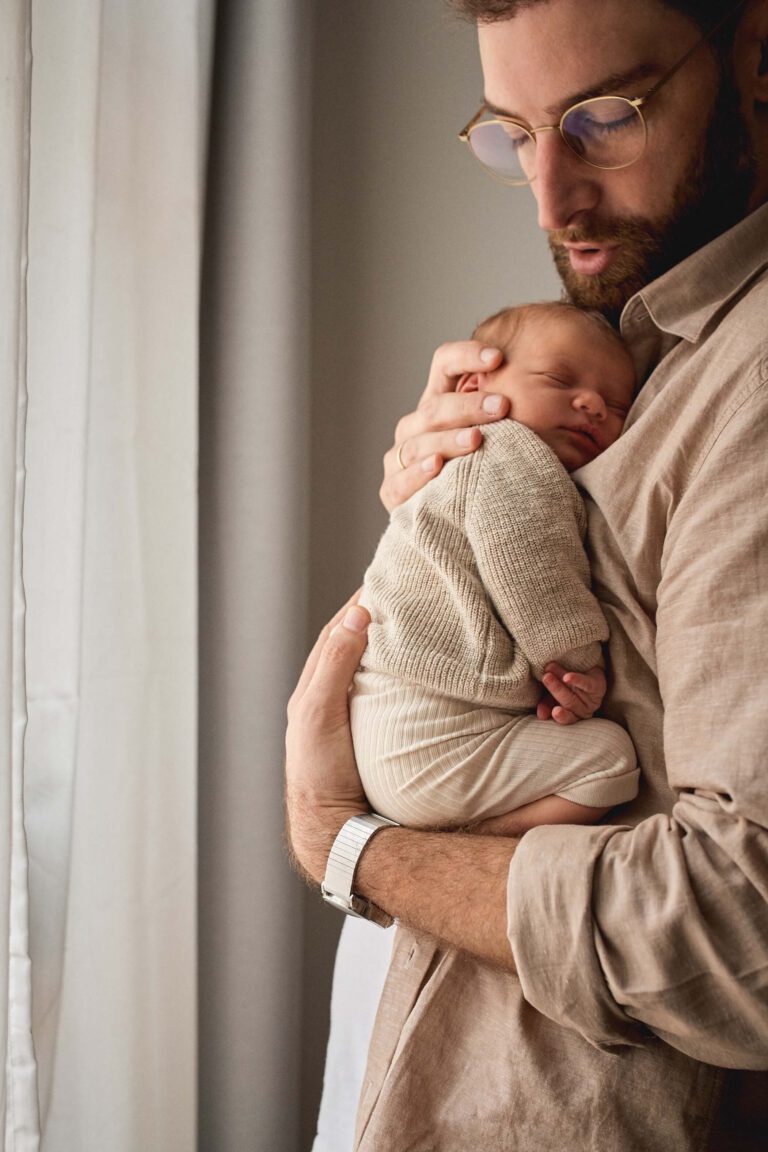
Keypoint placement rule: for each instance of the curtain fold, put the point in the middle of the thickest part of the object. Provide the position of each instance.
(253, 565)
(19, 1097)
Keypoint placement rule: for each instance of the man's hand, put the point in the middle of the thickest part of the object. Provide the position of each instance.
(445, 423)
(322, 787)
(570, 696)
(428, 880)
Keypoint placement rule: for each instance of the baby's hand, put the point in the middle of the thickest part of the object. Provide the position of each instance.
(571, 696)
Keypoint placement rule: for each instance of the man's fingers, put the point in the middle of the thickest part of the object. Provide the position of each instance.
(399, 486)
(445, 424)
(451, 412)
(325, 696)
(419, 449)
(441, 431)
(313, 659)
(451, 361)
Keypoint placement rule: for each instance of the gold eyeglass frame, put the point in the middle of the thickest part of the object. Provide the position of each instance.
(637, 103)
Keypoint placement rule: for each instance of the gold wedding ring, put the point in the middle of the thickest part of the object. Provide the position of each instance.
(400, 460)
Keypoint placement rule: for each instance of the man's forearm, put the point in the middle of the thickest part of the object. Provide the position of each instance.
(451, 885)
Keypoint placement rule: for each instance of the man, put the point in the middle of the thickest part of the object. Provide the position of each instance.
(638, 1018)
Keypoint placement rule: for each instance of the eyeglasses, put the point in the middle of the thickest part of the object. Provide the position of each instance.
(605, 132)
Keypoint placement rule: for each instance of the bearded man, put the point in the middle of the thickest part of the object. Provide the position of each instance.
(601, 987)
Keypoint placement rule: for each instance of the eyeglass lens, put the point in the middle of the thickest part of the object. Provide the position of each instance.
(607, 132)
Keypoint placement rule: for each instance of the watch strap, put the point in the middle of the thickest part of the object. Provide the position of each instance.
(342, 863)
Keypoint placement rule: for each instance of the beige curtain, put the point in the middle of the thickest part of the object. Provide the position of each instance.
(101, 223)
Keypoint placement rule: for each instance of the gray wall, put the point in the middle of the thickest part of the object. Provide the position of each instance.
(412, 245)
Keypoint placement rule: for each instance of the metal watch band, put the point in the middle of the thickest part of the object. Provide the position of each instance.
(342, 863)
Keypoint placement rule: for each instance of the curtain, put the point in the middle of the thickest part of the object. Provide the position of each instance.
(101, 225)
(19, 1088)
(253, 566)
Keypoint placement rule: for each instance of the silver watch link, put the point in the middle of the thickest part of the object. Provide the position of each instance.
(342, 864)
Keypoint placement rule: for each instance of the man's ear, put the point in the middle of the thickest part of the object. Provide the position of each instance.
(761, 95)
(752, 53)
(470, 381)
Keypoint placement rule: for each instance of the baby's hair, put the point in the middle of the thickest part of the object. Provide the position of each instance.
(501, 328)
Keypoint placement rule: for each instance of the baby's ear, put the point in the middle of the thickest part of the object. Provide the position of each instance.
(469, 382)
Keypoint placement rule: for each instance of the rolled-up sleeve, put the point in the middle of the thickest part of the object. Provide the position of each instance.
(662, 928)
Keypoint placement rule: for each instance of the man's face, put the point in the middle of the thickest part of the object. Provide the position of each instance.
(611, 232)
(568, 382)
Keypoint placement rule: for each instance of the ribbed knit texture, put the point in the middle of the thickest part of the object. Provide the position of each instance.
(481, 577)
(428, 761)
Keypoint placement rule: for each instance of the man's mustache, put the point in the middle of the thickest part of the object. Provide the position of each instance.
(604, 232)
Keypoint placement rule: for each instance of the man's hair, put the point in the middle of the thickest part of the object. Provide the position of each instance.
(501, 329)
(705, 13)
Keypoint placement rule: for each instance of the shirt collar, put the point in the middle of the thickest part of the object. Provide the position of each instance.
(684, 300)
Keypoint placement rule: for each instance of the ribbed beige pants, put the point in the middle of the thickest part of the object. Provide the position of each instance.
(428, 760)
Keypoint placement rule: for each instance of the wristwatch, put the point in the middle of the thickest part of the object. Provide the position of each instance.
(342, 863)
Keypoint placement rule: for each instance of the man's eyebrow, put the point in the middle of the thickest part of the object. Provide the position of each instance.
(615, 84)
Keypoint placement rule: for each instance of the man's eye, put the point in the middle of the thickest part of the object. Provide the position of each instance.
(596, 129)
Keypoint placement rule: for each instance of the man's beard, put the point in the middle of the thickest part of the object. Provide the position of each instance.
(712, 196)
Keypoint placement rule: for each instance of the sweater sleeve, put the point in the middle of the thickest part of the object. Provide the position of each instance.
(525, 524)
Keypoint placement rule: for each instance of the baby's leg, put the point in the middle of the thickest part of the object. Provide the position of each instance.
(430, 761)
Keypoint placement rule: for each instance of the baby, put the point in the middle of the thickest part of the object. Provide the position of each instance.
(481, 580)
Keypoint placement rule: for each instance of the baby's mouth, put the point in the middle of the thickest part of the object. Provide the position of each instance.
(590, 435)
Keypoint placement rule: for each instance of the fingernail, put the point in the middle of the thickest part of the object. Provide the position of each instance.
(488, 354)
(464, 438)
(429, 464)
(492, 404)
(355, 620)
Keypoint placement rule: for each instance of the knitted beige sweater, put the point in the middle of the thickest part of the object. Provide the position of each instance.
(481, 577)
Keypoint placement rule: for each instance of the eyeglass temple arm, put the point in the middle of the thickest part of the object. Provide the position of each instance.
(660, 84)
(464, 134)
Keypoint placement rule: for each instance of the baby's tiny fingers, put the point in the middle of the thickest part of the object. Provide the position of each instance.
(562, 693)
(579, 682)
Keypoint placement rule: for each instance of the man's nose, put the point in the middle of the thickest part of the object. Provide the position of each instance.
(564, 186)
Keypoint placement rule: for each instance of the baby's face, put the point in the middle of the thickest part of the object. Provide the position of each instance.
(569, 383)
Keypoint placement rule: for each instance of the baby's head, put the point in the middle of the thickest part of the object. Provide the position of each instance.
(567, 373)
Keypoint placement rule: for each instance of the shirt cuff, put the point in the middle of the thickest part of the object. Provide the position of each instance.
(554, 938)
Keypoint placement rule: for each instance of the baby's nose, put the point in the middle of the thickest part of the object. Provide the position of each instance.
(593, 403)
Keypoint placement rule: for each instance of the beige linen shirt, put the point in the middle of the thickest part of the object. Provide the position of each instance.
(641, 945)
